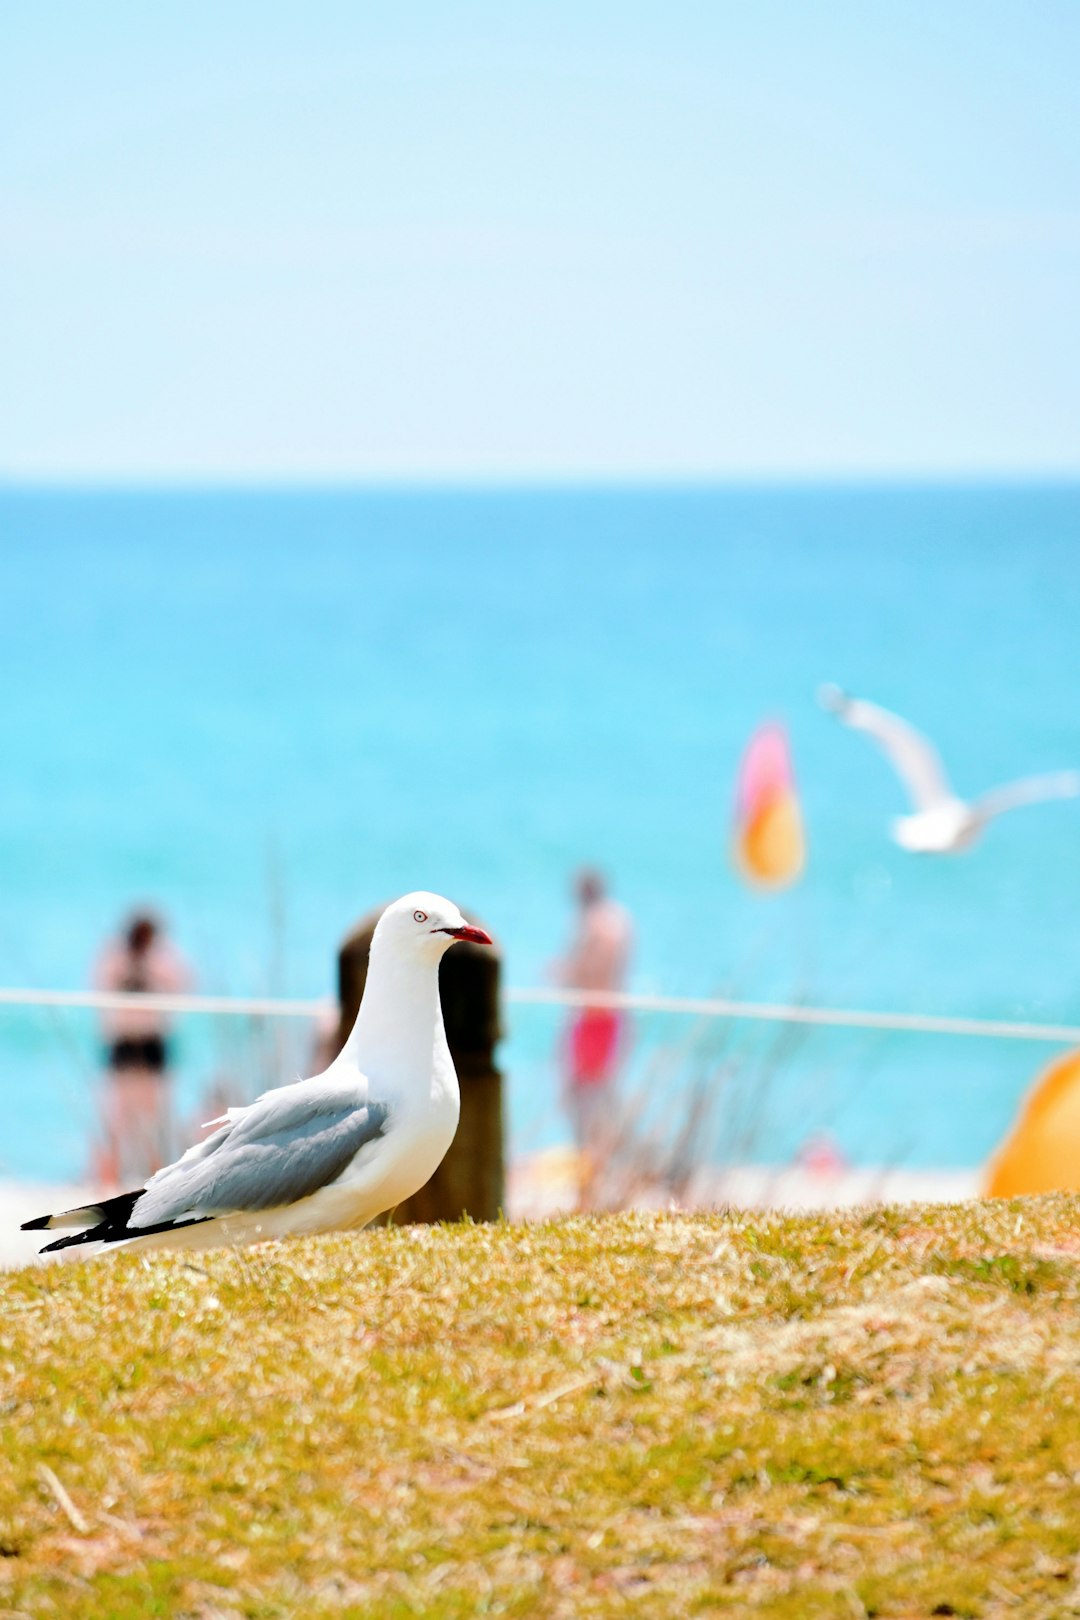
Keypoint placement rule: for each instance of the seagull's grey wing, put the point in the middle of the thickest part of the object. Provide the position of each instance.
(910, 754)
(283, 1148)
(1030, 790)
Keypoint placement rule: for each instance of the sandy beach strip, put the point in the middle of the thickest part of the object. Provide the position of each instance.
(546, 1184)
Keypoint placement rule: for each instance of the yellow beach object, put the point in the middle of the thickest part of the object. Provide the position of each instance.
(1042, 1152)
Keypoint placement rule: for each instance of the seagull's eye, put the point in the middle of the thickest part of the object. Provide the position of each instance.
(419, 916)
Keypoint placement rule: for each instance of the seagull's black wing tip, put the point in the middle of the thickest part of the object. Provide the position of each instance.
(107, 1215)
(71, 1241)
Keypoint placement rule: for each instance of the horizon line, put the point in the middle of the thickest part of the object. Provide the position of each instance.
(497, 483)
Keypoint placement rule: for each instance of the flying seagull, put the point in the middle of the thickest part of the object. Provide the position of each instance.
(940, 822)
(324, 1154)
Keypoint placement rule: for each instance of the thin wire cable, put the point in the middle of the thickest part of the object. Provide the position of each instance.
(705, 1007)
(830, 1017)
(118, 1000)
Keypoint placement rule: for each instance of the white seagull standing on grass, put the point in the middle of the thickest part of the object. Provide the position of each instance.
(325, 1154)
(941, 823)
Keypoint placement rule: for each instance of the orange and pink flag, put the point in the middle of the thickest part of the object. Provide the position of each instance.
(769, 846)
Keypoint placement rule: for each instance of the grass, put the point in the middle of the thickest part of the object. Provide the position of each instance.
(664, 1415)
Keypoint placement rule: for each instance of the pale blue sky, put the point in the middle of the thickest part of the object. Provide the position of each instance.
(333, 240)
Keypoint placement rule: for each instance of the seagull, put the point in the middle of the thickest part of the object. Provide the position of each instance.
(326, 1154)
(941, 823)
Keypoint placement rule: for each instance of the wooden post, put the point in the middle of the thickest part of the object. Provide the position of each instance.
(470, 1180)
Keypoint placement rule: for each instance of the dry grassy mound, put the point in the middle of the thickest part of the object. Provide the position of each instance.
(875, 1414)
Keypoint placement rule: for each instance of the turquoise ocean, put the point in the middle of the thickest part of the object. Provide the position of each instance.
(267, 711)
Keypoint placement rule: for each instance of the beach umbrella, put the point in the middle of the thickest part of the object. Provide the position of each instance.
(768, 845)
(1042, 1151)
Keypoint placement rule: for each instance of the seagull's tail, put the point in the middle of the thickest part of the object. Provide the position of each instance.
(106, 1222)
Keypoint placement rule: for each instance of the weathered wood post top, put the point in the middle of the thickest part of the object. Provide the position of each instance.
(470, 1180)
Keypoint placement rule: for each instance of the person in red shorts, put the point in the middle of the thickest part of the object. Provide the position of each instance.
(595, 1038)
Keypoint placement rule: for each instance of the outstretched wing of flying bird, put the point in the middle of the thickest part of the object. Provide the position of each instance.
(1029, 790)
(911, 755)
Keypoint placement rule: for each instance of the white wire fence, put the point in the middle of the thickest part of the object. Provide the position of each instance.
(713, 1081)
(696, 1007)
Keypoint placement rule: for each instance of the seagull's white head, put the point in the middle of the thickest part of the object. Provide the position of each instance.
(424, 925)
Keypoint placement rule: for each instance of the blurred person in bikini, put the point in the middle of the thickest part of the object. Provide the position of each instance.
(595, 1037)
(137, 1101)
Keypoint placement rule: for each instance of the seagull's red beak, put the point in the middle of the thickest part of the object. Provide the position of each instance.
(475, 936)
